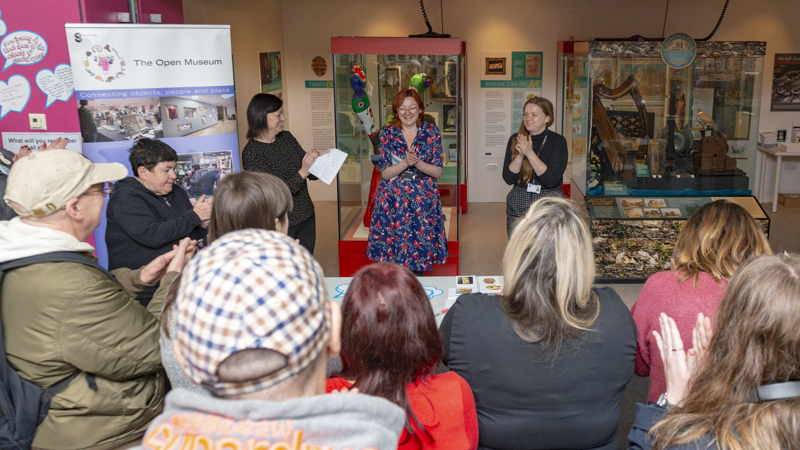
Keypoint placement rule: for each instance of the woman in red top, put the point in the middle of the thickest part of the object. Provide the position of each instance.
(391, 348)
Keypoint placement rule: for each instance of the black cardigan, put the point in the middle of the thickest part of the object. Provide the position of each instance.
(282, 158)
(142, 225)
(554, 155)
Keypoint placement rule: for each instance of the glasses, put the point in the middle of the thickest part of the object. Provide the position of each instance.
(107, 189)
(405, 111)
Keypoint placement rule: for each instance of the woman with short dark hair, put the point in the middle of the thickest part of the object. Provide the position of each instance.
(146, 216)
(391, 348)
(549, 358)
(271, 149)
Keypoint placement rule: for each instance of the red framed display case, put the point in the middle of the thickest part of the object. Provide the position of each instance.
(388, 65)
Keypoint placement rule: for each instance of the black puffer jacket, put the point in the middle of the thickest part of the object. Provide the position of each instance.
(142, 225)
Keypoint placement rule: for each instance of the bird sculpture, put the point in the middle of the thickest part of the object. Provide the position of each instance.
(707, 122)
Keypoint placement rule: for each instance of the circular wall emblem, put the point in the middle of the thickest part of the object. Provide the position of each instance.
(678, 50)
(319, 66)
(104, 63)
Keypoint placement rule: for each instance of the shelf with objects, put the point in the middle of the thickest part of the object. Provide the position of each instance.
(651, 143)
(368, 73)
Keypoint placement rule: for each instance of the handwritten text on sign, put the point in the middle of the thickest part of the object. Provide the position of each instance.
(23, 47)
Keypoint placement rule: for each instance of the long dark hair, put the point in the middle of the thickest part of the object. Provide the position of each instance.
(260, 105)
(389, 337)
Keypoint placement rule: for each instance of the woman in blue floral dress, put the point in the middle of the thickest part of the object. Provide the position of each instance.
(407, 223)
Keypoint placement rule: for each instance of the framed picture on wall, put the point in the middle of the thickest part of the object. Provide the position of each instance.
(451, 80)
(202, 110)
(172, 112)
(449, 119)
(203, 119)
(189, 113)
(496, 66)
(184, 126)
(266, 68)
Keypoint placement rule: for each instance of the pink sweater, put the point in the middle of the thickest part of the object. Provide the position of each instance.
(663, 293)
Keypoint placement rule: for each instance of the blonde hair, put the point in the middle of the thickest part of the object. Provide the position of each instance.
(756, 342)
(526, 172)
(716, 239)
(549, 269)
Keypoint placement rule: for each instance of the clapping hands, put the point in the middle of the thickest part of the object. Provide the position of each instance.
(411, 158)
(524, 145)
(680, 364)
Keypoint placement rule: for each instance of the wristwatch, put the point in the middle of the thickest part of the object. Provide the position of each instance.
(663, 402)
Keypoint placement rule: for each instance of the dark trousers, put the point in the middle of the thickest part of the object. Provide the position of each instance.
(306, 233)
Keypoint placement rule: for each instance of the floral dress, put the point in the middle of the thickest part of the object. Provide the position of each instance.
(407, 224)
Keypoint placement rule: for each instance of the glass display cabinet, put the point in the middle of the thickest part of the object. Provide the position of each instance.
(386, 66)
(650, 144)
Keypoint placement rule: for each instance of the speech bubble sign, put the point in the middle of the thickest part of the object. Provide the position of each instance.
(23, 47)
(56, 84)
(3, 27)
(14, 95)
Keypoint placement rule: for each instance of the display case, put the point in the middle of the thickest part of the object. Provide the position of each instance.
(388, 65)
(637, 127)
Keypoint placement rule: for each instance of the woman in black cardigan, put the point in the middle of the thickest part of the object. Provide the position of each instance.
(535, 161)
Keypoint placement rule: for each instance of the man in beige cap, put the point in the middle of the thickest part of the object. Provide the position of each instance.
(62, 318)
(255, 327)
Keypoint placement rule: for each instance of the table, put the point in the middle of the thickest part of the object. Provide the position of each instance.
(793, 150)
(435, 287)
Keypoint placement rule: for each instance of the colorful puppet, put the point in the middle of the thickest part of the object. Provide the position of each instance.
(421, 82)
(361, 105)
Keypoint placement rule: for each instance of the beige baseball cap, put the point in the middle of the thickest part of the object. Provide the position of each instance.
(42, 182)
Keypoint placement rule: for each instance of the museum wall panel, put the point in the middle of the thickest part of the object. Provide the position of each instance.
(296, 27)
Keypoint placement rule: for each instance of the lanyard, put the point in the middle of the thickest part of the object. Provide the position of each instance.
(544, 141)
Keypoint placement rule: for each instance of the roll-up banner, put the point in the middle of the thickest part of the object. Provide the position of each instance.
(168, 82)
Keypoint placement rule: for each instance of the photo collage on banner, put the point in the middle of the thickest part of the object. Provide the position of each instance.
(129, 85)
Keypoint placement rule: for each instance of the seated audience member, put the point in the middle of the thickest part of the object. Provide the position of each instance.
(740, 388)
(255, 327)
(60, 318)
(7, 159)
(548, 360)
(712, 244)
(145, 215)
(392, 349)
(244, 200)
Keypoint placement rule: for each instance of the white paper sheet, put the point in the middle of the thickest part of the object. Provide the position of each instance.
(327, 166)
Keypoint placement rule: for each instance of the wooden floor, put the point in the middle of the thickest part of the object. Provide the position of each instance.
(226, 127)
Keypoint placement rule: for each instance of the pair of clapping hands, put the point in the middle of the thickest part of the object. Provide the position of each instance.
(172, 261)
(680, 363)
(411, 158)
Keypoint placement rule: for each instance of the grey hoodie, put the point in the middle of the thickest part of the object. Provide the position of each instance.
(330, 422)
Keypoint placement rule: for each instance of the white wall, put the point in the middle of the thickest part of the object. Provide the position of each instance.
(256, 27)
(509, 25)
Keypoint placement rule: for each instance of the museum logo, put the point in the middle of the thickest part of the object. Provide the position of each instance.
(104, 63)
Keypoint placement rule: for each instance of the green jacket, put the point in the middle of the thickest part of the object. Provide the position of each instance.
(61, 317)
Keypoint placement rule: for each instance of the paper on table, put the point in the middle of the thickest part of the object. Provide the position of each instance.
(327, 166)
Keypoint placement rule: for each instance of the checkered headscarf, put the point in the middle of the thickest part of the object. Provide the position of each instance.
(251, 289)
